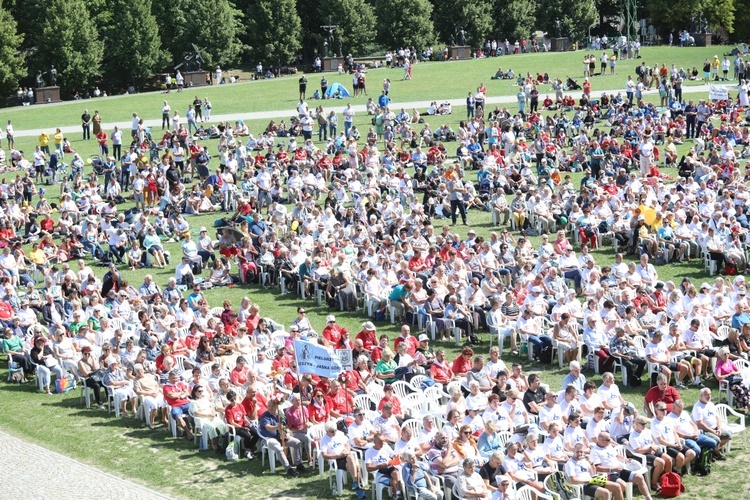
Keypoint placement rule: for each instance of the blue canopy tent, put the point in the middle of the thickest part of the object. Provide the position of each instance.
(337, 91)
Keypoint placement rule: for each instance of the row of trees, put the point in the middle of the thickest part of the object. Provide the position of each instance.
(125, 42)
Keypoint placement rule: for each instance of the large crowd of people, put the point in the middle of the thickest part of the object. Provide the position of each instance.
(367, 222)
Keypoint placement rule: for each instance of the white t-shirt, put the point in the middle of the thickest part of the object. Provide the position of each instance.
(663, 430)
(377, 457)
(705, 412)
(606, 456)
(333, 445)
(638, 440)
(548, 415)
(611, 395)
(578, 469)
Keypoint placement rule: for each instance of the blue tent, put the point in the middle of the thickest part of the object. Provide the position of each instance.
(337, 91)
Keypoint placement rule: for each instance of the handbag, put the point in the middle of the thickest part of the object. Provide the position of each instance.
(50, 362)
(97, 375)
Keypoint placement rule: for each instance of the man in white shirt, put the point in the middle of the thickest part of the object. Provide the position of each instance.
(605, 459)
(378, 459)
(335, 446)
(706, 417)
(688, 430)
(579, 471)
(361, 432)
(610, 393)
(550, 412)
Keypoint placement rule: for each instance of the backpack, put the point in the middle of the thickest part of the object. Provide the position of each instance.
(703, 465)
(671, 485)
(545, 354)
(560, 488)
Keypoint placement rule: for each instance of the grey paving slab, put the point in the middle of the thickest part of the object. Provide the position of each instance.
(33, 472)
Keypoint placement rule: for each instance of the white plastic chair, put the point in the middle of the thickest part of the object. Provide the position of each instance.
(401, 389)
(315, 433)
(735, 428)
(529, 493)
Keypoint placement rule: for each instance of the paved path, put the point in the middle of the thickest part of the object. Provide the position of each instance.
(32, 472)
(458, 105)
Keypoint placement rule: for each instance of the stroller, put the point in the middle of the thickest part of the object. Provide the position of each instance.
(97, 163)
(571, 84)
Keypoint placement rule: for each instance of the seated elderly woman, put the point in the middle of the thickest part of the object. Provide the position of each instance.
(489, 441)
(456, 402)
(42, 356)
(115, 380)
(385, 370)
(206, 418)
(476, 397)
(417, 477)
(727, 371)
(147, 387)
(466, 446)
(470, 484)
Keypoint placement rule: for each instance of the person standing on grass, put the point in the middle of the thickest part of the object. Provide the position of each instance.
(165, 110)
(86, 125)
(303, 87)
(102, 138)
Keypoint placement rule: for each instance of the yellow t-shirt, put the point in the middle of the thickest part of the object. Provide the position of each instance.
(58, 138)
(44, 139)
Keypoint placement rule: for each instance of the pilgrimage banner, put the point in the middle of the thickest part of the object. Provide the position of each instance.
(316, 359)
(718, 93)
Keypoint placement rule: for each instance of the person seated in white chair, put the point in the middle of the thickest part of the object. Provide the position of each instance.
(579, 471)
(605, 459)
(334, 445)
(470, 484)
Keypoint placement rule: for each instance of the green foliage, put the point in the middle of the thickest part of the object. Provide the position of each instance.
(355, 20)
(473, 17)
(133, 47)
(575, 16)
(12, 66)
(404, 22)
(273, 31)
(514, 19)
(213, 24)
(670, 16)
(29, 14)
(70, 41)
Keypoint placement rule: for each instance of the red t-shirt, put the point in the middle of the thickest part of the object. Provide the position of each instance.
(333, 333)
(341, 402)
(368, 339)
(440, 373)
(280, 362)
(239, 375)
(169, 388)
(318, 414)
(461, 365)
(670, 395)
(411, 344)
(377, 353)
(235, 415)
(394, 401)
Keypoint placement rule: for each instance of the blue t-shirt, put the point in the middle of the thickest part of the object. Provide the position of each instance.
(398, 293)
(268, 419)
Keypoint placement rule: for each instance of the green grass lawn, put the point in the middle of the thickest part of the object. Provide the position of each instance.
(127, 449)
(433, 80)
